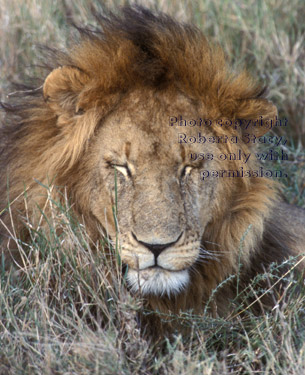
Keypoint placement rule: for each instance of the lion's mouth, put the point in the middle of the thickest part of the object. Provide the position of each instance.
(158, 281)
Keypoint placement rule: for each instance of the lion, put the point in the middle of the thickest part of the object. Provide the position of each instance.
(146, 114)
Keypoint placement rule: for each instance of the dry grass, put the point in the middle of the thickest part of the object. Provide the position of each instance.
(63, 312)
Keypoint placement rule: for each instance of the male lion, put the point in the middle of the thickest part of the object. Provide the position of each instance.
(148, 102)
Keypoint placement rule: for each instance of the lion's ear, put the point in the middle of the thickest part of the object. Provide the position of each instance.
(61, 88)
(256, 115)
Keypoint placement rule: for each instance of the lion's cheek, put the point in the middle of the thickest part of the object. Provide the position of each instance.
(102, 207)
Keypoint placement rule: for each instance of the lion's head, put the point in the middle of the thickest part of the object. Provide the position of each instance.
(118, 124)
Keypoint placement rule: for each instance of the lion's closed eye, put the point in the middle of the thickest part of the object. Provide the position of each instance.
(123, 169)
(186, 171)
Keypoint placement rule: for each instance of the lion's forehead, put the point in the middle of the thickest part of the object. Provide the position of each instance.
(155, 128)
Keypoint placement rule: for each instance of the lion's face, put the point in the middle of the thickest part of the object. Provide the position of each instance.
(163, 205)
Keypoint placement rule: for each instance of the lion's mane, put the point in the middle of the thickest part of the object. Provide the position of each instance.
(42, 141)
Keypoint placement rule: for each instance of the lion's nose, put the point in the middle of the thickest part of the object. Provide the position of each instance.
(157, 249)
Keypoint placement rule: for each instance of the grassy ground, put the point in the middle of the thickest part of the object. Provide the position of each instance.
(65, 314)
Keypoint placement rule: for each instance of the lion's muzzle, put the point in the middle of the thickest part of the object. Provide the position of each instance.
(159, 268)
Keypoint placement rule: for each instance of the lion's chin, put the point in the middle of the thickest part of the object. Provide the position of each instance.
(157, 281)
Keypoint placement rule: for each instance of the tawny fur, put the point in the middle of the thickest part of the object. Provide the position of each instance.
(117, 88)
